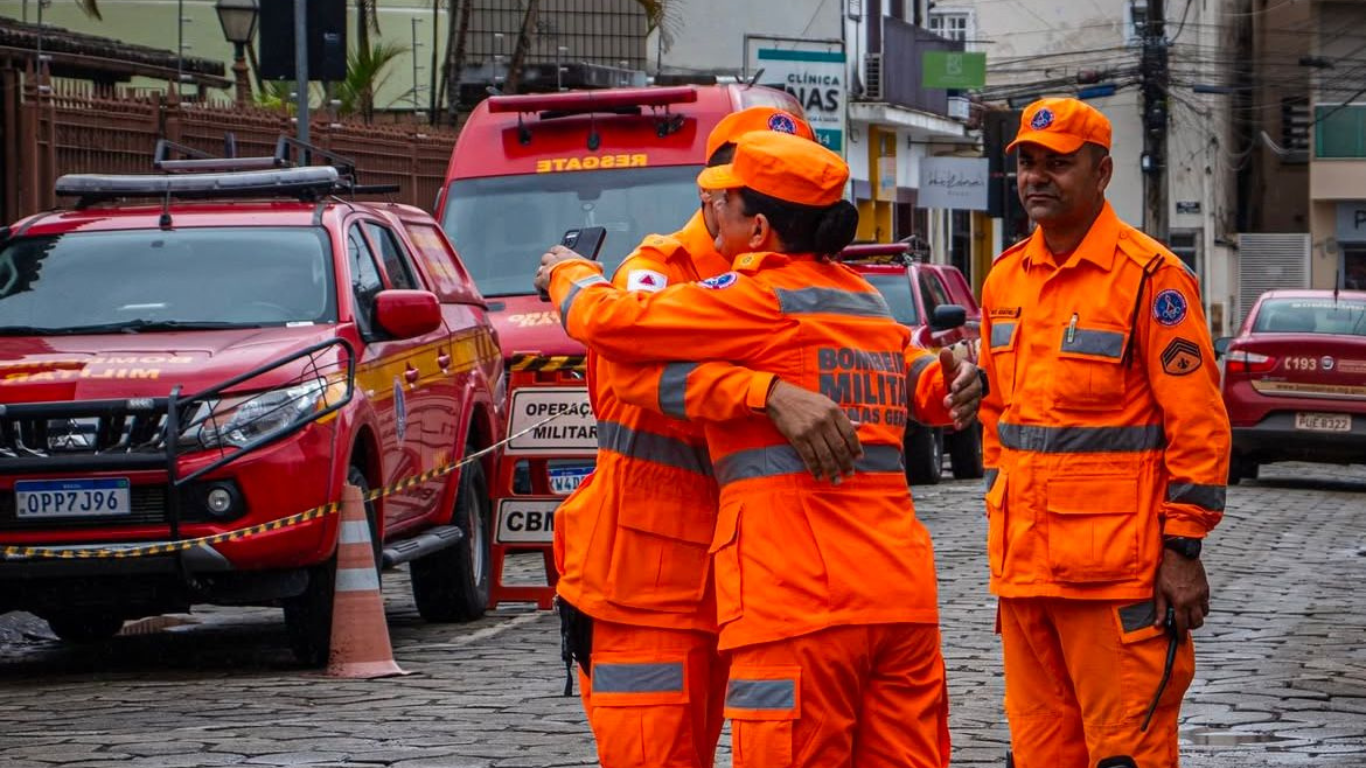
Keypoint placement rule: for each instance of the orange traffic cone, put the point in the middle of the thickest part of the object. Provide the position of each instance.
(360, 634)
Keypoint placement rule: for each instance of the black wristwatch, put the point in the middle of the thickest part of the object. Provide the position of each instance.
(982, 377)
(1184, 546)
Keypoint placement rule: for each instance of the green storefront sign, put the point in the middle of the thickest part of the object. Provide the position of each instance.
(953, 69)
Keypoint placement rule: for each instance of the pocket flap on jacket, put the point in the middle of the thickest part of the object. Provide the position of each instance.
(1098, 344)
(1109, 495)
(727, 525)
(681, 520)
(630, 680)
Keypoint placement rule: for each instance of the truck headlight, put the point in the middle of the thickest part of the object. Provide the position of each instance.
(237, 421)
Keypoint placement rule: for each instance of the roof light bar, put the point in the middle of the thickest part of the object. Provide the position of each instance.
(593, 101)
(870, 250)
(285, 182)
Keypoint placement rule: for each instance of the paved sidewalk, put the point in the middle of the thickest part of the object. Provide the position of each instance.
(1281, 681)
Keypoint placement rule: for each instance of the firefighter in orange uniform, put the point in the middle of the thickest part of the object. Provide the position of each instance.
(1106, 443)
(826, 593)
(631, 542)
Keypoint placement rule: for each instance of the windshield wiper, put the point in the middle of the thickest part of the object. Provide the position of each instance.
(126, 326)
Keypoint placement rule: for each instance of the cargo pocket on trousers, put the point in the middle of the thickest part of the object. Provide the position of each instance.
(1143, 657)
(1093, 528)
(638, 709)
(659, 561)
(762, 703)
(725, 554)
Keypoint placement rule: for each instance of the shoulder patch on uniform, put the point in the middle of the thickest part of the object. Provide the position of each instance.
(646, 280)
(663, 245)
(1170, 307)
(753, 262)
(720, 281)
(1181, 357)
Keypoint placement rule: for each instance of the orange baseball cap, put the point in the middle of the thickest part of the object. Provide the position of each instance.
(782, 166)
(737, 124)
(1062, 125)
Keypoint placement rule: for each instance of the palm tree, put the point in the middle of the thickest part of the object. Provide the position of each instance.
(366, 73)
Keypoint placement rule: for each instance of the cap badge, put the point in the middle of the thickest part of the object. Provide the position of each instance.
(782, 123)
(1042, 119)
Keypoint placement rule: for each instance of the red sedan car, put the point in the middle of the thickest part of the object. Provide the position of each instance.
(1294, 380)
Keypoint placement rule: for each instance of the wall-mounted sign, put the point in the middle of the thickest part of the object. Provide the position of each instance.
(816, 78)
(953, 69)
(958, 183)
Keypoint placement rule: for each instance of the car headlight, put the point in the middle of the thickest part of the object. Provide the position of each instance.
(237, 421)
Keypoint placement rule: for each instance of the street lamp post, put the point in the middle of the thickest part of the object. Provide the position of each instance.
(238, 18)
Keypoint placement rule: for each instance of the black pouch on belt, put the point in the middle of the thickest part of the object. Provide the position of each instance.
(576, 642)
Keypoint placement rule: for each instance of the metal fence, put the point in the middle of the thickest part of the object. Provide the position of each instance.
(73, 127)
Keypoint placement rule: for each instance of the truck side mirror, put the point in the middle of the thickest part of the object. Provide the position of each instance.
(405, 314)
(948, 316)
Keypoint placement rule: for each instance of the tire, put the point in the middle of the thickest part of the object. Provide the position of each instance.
(924, 455)
(84, 628)
(308, 616)
(452, 585)
(965, 453)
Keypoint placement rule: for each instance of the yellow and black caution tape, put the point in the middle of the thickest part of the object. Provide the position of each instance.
(530, 362)
(120, 552)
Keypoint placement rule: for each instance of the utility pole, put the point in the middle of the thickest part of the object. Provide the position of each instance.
(1155, 77)
(301, 75)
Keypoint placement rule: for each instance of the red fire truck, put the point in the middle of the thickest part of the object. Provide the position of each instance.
(526, 169)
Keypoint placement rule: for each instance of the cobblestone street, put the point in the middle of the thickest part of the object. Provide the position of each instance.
(1281, 678)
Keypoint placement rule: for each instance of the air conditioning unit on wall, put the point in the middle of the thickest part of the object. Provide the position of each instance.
(872, 76)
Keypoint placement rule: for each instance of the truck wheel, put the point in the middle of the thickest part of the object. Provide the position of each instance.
(924, 455)
(308, 616)
(965, 453)
(453, 584)
(84, 628)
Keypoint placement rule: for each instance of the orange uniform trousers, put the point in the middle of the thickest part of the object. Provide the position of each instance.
(1078, 686)
(862, 696)
(654, 696)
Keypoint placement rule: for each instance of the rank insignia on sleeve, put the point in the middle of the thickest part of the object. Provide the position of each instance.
(1170, 307)
(1181, 357)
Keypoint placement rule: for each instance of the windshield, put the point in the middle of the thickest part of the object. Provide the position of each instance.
(147, 280)
(896, 289)
(501, 225)
(1346, 318)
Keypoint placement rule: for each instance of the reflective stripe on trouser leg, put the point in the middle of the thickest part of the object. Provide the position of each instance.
(652, 699)
(811, 701)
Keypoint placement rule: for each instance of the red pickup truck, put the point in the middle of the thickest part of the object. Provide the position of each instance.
(222, 357)
(936, 302)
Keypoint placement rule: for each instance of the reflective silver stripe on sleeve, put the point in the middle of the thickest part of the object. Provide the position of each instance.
(989, 478)
(1041, 439)
(1209, 497)
(1098, 343)
(918, 367)
(761, 694)
(831, 301)
(638, 678)
(673, 389)
(784, 460)
(573, 292)
(648, 446)
(1001, 333)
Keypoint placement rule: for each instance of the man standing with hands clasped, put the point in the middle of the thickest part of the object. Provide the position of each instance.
(1107, 444)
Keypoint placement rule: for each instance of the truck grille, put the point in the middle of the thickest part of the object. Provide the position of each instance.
(38, 436)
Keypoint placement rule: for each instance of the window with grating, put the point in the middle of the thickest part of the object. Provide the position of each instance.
(1267, 261)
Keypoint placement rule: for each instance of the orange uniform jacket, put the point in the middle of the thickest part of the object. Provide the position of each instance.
(631, 542)
(1104, 428)
(792, 555)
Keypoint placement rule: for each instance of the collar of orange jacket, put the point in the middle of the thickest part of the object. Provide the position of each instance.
(1098, 247)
